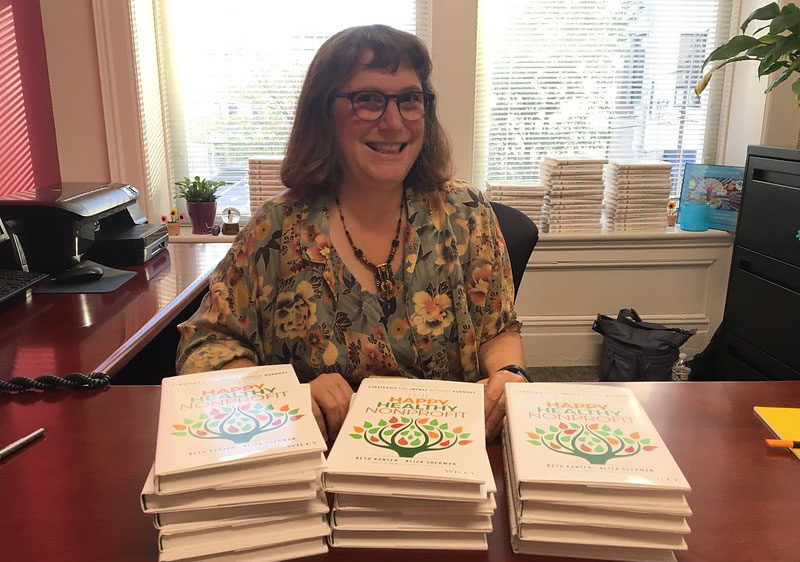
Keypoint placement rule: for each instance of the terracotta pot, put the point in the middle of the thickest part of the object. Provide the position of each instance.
(174, 228)
(671, 220)
(203, 215)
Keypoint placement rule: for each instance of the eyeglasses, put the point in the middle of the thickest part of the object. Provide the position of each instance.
(370, 106)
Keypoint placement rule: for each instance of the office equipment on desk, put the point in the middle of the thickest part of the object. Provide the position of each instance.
(758, 334)
(62, 223)
(17, 279)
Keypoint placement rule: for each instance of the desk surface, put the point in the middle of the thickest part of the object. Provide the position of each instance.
(62, 333)
(73, 495)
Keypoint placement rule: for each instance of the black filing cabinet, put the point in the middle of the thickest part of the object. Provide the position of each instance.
(761, 327)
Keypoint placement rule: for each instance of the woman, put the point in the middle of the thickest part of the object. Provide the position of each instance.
(372, 262)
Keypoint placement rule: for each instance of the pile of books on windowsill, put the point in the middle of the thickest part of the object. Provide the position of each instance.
(526, 198)
(573, 194)
(237, 468)
(636, 196)
(588, 476)
(409, 468)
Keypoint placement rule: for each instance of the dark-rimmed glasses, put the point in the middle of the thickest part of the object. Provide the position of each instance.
(370, 105)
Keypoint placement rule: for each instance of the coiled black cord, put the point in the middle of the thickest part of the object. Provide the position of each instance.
(50, 382)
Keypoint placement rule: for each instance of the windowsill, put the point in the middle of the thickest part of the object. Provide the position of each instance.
(669, 233)
(186, 237)
(673, 232)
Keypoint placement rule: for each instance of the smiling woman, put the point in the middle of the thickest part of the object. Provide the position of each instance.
(409, 276)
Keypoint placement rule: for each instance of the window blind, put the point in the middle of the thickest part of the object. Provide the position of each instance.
(611, 79)
(232, 72)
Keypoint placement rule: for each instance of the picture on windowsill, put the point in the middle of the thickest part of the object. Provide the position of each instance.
(720, 187)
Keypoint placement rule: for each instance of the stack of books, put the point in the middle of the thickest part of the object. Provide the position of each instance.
(526, 198)
(573, 200)
(409, 468)
(237, 468)
(636, 196)
(588, 475)
(264, 179)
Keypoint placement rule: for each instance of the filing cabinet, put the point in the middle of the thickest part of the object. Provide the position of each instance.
(761, 327)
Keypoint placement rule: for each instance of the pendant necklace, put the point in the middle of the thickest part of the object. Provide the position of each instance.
(384, 278)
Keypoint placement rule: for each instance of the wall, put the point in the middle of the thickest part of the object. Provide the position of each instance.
(75, 82)
(28, 150)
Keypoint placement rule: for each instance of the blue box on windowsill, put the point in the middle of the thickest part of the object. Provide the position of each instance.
(720, 187)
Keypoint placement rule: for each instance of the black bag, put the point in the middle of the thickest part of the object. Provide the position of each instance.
(637, 351)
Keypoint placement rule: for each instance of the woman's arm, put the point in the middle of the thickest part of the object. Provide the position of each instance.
(502, 350)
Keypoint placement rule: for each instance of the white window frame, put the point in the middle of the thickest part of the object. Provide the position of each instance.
(453, 35)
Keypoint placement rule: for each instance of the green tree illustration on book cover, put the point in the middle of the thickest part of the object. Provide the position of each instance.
(238, 424)
(593, 442)
(408, 437)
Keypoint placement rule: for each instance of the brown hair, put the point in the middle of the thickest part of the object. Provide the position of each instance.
(310, 166)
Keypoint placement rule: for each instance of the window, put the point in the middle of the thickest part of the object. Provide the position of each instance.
(598, 79)
(232, 72)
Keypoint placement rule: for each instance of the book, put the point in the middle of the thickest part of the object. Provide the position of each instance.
(381, 520)
(785, 422)
(238, 424)
(720, 186)
(208, 516)
(344, 502)
(667, 502)
(229, 535)
(412, 438)
(597, 552)
(594, 436)
(432, 540)
(285, 550)
(303, 486)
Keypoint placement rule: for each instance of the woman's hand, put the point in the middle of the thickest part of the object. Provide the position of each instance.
(494, 400)
(330, 400)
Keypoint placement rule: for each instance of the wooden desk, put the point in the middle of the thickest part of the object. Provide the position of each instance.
(73, 496)
(64, 333)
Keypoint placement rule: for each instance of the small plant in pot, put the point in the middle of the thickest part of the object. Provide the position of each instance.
(201, 202)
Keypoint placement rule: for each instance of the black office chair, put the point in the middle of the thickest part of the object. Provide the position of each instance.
(521, 235)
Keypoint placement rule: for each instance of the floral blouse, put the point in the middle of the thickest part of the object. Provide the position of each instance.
(283, 295)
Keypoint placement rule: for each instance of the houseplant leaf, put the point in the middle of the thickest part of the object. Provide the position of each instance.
(796, 90)
(763, 13)
(732, 48)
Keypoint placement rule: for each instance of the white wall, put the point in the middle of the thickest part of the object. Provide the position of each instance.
(75, 90)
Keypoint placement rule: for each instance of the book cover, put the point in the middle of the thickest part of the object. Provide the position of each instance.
(413, 433)
(720, 186)
(208, 516)
(785, 422)
(370, 520)
(253, 549)
(428, 540)
(304, 486)
(227, 536)
(637, 500)
(344, 502)
(593, 435)
(211, 424)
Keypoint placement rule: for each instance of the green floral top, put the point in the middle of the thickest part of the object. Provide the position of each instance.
(282, 295)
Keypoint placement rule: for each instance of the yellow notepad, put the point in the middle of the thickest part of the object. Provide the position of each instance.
(785, 422)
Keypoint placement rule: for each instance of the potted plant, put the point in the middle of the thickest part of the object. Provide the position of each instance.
(775, 45)
(173, 221)
(671, 212)
(201, 202)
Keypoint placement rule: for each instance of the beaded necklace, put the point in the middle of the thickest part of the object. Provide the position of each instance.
(384, 278)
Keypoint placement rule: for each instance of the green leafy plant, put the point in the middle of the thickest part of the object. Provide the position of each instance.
(199, 190)
(777, 47)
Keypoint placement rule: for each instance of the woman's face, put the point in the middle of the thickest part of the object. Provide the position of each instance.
(377, 154)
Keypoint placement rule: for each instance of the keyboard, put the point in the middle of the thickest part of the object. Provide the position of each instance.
(13, 282)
